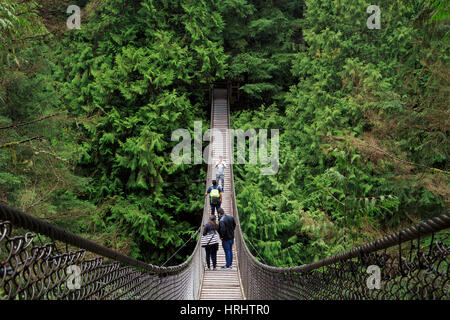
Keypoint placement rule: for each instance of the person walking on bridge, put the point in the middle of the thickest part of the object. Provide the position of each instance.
(215, 197)
(220, 171)
(211, 248)
(226, 233)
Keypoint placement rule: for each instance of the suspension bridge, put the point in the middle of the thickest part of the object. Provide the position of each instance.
(413, 263)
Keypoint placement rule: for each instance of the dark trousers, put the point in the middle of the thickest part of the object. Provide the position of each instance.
(211, 254)
(214, 207)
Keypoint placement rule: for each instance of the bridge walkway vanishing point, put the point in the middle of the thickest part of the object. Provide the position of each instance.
(223, 284)
(413, 263)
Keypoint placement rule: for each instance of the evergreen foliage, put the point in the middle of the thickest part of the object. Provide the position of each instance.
(135, 74)
(86, 118)
(364, 148)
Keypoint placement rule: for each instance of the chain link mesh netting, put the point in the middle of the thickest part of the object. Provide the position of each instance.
(30, 269)
(410, 267)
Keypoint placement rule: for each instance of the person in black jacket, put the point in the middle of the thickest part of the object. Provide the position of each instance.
(211, 250)
(226, 232)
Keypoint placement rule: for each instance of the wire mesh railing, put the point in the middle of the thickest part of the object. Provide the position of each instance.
(410, 264)
(70, 267)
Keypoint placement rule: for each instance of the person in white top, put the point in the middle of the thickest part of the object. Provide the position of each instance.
(220, 171)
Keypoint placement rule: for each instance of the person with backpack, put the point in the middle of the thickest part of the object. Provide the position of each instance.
(215, 196)
(226, 233)
(212, 242)
(220, 171)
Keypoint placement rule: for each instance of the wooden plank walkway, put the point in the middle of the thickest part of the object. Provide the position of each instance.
(222, 284)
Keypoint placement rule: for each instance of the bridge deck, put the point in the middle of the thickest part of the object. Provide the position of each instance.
(223, 284)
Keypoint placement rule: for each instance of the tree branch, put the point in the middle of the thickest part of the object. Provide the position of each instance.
(361, 143)
(10, 144)
(32, 37)
(44, 197)
(29, 122)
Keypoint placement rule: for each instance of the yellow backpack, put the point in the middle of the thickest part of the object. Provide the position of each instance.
(214, 195)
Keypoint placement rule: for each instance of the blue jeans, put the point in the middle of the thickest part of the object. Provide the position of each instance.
(227, 246)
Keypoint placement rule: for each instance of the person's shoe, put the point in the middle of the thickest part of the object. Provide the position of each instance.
(230, 268)
(223, 267)
(214, 268)
(208, 269)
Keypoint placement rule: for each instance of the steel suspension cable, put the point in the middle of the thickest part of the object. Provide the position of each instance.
(182, 246)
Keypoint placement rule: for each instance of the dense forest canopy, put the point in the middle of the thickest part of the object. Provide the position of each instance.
(86, 117)
(365, 121)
